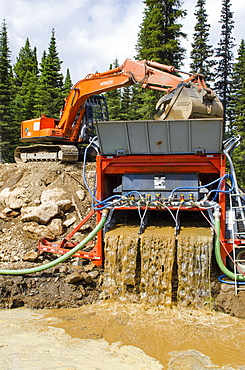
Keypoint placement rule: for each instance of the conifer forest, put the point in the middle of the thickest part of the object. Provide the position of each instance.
(30, 88)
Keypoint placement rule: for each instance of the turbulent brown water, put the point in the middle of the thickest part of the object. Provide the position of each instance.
(146, 264)
(193, 259)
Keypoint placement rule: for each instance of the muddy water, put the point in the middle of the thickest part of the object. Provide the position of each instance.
(157, 249)
(120, 336)
(194, 254)
(121, 247)
(156, 265)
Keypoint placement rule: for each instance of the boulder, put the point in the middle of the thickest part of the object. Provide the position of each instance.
(56, 226)
(15, 199)
(81, 194)
(8, 212)
(69, 220)
(73, 278)
(41, 214)
(30, 256)
(53, 195)
(36, 231)
(64, 204)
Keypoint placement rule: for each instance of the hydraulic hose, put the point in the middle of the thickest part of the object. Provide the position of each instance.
(217, 250)
(63, 257)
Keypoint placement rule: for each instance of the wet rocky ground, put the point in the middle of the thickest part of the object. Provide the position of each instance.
(41, 200)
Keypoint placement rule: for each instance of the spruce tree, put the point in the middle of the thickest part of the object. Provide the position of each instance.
(25, 81)
(202, 53)
(159, 39)
(160, 33)
(113, 98)
(67, 83)
(237, 105)
(49, 98)
(224, 54)
(7, 128)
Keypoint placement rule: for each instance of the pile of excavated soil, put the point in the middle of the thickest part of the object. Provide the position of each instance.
(22, 190)
(25, 191)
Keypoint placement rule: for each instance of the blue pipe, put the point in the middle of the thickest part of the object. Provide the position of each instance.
(220, 278)
(206, 185)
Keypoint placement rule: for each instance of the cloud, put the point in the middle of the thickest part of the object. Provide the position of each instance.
(90, 34)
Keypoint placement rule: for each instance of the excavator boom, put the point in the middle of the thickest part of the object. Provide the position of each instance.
(183, 97)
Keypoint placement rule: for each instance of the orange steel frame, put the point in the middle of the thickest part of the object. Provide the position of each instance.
(186, 163)
(107, 166)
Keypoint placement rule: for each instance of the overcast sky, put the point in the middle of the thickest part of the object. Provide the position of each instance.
(90, 34)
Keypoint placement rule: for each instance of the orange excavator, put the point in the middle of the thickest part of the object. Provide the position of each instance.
(59, 139)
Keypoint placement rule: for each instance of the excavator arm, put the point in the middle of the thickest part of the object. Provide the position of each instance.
(151, 75)
(184, 98)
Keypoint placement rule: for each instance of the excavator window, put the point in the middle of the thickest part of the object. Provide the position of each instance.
(96, 110)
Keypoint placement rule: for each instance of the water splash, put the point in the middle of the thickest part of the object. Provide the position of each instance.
(145, 267)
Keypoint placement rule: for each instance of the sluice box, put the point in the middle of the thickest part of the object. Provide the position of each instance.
(198, 136)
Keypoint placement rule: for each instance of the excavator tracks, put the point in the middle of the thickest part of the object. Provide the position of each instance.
(38, 153)
(158, 268)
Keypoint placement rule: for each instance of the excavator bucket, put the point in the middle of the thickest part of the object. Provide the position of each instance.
(188, 101)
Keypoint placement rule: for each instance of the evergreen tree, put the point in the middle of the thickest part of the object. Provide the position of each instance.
(126, 100)
(159, 39)
(237, 106)
(160, 33)
(50, 88)
(113, 98)
(25, 62)
(25, 81)
(67, 83)
(202, 53)
(7, 129)
(224, 54)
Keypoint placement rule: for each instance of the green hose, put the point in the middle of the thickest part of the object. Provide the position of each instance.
(63, 257)
(217, 250)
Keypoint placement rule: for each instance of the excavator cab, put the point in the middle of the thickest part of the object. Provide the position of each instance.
(95, 110)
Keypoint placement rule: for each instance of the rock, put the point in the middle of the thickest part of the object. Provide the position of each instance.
(94, 274)
(16, 198)
(65, 204)
(4, 194)
(56, 227)
(70, 219)
(82, 290)
(89, 267)
(91, 174)
(86, 277)
(63, 269)
(41, 214)
(8, 212)
(74, 277)
(85, 228)
(30, 256)
(53, 195)
(227, 287)
(81, 194)
(36, 231)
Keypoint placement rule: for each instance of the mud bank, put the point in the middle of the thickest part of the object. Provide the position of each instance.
(120, 336)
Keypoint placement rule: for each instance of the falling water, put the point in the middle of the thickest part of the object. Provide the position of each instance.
(157, 258)
(194, 259)
(147, 266)
(121, 245)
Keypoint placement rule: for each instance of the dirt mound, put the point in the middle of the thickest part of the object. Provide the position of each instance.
(32, 190)
(48, 200)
